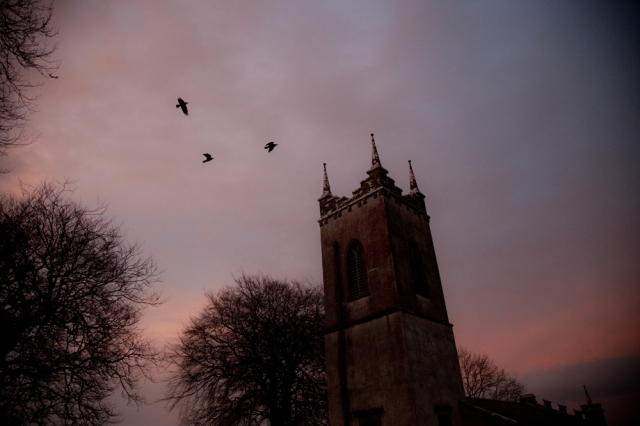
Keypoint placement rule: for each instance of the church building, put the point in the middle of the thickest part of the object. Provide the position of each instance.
(390, 351)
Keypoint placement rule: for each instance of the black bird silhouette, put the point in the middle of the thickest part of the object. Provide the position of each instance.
(270, 146)
(182, 104)
(209, 158)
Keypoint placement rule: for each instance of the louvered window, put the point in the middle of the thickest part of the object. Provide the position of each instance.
(357, 271)
(417, 270)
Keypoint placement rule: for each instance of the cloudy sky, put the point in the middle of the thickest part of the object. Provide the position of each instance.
(522, 121)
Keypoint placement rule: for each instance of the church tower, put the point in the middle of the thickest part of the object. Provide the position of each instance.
(391, 355)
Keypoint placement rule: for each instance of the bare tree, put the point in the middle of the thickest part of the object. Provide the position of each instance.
(72, 294)
(482, 378)
(255, 354)
(24, 31)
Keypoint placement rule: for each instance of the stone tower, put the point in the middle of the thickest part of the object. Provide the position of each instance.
(391, 355)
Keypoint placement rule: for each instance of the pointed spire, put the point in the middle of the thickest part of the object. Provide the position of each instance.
(326, 189)
(375, 159)
(587, 394)
(413, 184)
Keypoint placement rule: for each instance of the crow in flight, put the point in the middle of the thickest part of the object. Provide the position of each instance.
(182, 104)
(208, 158)
(270, 146)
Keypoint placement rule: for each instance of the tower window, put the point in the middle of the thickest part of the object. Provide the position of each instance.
(417, 270)
(357, 271)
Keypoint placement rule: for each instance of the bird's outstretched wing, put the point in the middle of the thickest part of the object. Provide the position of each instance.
(208, 158)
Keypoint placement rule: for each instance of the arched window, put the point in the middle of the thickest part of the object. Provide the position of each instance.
(357, 271)
(417, 270)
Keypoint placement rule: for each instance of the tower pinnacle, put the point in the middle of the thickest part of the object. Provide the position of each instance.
(375, 159)
(413, 185)
(326, 189)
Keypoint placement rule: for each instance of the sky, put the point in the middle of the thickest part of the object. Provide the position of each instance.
(521, 120)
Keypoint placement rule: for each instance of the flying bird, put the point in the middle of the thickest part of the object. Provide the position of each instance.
(182, 104)
(270, 146)
(208, 158)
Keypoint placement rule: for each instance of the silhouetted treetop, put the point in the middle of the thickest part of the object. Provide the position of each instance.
(254, 354)
(72, 294)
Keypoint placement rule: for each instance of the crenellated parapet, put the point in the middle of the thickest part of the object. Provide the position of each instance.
(377, 184)
(332, 204)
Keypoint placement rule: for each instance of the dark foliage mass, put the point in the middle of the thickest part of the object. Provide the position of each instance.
(255, 354)
(482, 378)
(24, 31)
(72, 292)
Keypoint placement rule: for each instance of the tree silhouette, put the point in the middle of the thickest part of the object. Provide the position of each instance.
(24, 30)
(255, 353)
(72, 293)
(482, 378)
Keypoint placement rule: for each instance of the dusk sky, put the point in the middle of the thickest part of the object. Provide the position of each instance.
(521, 119)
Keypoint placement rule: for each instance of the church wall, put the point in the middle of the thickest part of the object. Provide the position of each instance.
(404, 223)
(333, 380)
(377, 373)
(433, 368)
(401, 365)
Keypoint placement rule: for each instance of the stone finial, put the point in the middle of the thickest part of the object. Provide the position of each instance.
(589, 401)
(413, 185)
(326, 189)
(375, 159)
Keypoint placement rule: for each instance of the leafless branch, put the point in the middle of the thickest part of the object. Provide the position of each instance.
(482, 378)
(25, 28)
